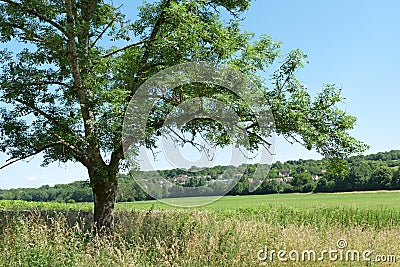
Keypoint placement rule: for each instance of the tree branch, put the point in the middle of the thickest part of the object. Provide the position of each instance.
(264, 142)
(116, 156)
(38, 15)
(36, 38)
(38, 110)
(49, 118)
(49, 83)
(124, 48)
(153, 35)
(103, 32)
(84, 94)
(87, 11)
(82, 157)
(295, 140)
(14, 160)
(196, 145)
(73, 51)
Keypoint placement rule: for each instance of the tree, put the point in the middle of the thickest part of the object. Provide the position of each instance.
(66, 92)
(396, 179)
(359, 175)
(301, 179)
(381, 177)
(273, 173)
(268, 186)
(300, 169)
(323, 185)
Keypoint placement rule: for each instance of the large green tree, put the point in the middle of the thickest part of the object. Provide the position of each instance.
(65, 93)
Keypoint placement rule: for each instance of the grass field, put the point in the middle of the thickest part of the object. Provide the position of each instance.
(233, 231)
(359, 200)
(365, 200)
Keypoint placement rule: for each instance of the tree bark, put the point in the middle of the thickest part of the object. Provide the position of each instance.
(104, 187)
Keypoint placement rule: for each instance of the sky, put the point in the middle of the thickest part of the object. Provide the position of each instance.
(351, 43)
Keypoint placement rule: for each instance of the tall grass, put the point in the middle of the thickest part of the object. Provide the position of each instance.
(319, 217)
(17, 205)
(194, 237)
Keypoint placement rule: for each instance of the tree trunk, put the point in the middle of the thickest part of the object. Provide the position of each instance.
(104, 186)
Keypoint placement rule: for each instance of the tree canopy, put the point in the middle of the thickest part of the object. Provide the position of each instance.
(65, 93)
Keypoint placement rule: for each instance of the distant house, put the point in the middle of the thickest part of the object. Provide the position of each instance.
(284, 173)
(181, 179)
(315, 177)
(251, 180)
(279, 180)
(323, 171)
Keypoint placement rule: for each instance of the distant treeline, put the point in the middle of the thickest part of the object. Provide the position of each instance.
(359, 173)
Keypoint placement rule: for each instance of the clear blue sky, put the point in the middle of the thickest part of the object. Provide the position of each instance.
(352, 43)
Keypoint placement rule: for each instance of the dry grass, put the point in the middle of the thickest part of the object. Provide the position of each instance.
(183, 238)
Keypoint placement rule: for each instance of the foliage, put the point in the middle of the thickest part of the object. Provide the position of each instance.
(364, 173)
(65, 93)
(68, 88)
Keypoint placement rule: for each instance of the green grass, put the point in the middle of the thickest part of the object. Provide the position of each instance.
(366, 200)
(17, 205)
(228, 232)
(376, 209)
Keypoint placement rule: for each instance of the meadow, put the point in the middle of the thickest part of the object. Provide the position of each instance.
(233, 231)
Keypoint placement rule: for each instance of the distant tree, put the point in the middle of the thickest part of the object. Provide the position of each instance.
(278, 165)
(300, 179)
(196, 182)
(323, 185)
(381, 177)
(273, 173)
(395, 184)
(268, 186)
(359, 175)
(300, 169)
(308, 187)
